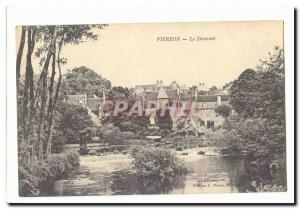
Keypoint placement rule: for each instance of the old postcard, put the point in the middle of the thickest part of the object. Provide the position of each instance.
(192, 111)
(162, 108)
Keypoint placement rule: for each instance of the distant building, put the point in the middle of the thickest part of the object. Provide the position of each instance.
(91, 104)
(77, 99)
(202, 87)
(157, 94)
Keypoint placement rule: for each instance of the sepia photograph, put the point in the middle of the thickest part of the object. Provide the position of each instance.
(151, 108)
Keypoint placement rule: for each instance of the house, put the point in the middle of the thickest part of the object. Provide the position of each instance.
(77, 99)
(157, 95)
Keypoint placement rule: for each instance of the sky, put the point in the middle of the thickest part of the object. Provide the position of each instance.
(130, 54)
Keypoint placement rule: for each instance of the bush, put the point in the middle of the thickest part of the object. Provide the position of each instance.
(224, 110)
(201, 153)
(178, 149)
(34, 179)
(116, 152)
(28, 183)
(124, 152)
(157, 140)
(267, 187)
(158, 163)
(92, 152)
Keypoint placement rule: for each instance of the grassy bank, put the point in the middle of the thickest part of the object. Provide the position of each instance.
(35, 179)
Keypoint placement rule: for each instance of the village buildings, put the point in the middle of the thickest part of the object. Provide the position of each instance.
(158, 95)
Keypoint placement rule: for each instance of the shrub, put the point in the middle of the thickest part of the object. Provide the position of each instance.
(124, 152)
(158, 163)
(28, 183)
(116, 152)
(157, 140)
(224, 110)
(201, 153)
(35, 178)
(267, 187)
(92, 152)
(178, 149)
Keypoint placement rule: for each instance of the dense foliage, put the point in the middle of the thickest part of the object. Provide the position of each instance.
(135, 124)
(244, 93)
(83, 80)
(36, 178)
(119, 92)
(164, 121)
(259, 101)
(70, 123)
(39, 89)
(224, 110)
(112, 135)
(158, 170)
(157, 163)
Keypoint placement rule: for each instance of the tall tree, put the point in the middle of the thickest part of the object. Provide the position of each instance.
(20, 53)
(40, 96)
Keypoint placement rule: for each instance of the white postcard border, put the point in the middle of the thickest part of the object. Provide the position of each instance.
(65, 12)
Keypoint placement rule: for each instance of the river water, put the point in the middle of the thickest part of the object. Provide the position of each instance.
(114, 175)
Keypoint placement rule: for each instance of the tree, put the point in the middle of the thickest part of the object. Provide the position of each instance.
(213, 88)
(226, 85)
(135, 124)
(20, 53)
(164, 121)
(261, 93)
(84, 80)
(70, 122)
(224, 110)
(258, 98)
(38, 98)
(271, 87)
(113, 135)
(244, 93)
(119, 92)
(255, 136)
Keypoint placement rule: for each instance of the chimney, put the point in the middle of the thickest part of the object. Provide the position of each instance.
(103, 96)
(178, 92)
(219, 100)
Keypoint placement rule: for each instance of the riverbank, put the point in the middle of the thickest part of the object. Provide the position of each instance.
(113, 174)
(93, 176)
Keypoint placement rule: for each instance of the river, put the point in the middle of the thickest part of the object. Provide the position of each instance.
(113, 174)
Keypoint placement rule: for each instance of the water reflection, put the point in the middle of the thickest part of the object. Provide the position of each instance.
(125, 183)
(208, 175)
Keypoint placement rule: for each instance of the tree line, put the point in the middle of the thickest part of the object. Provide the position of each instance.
(38, 91)
(257, 123)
